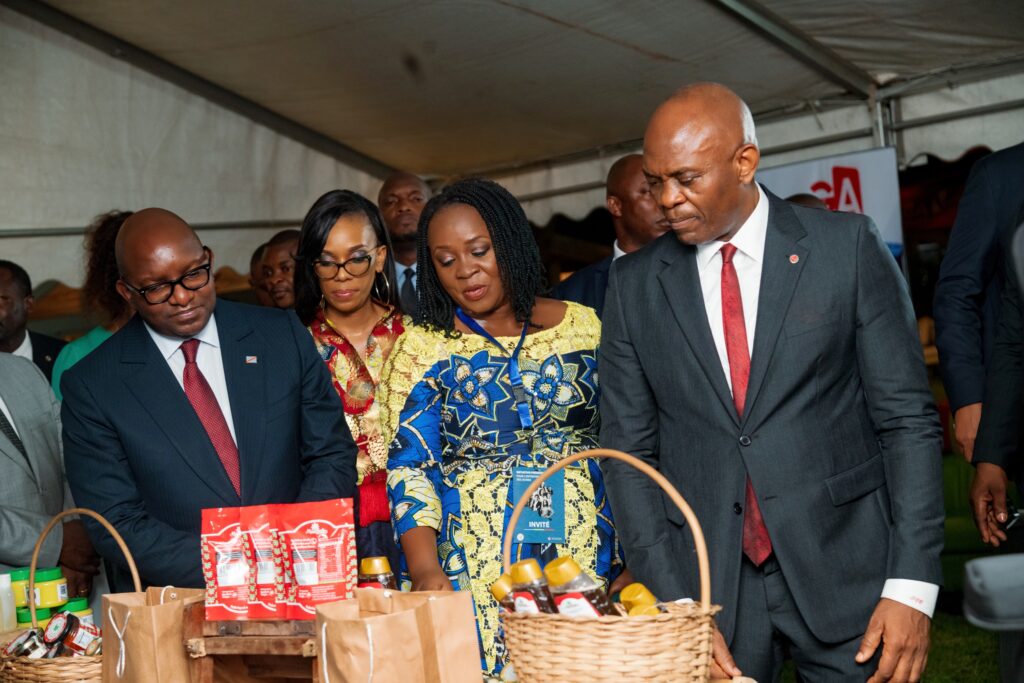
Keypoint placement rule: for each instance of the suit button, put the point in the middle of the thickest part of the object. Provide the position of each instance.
(744, 440)
(737, 508)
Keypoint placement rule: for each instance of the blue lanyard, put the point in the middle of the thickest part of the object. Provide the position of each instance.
(515, 377)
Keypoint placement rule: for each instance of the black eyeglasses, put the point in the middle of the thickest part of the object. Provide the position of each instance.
(356, 266)
(161, 292)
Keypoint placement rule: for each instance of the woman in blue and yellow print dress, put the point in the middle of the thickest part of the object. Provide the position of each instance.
(451, 397)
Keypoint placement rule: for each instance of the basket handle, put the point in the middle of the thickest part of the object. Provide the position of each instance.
(46, 532)
(659, 479)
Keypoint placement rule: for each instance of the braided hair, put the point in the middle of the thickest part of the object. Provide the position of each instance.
(316, 227)
(515, 250)
(99, 292)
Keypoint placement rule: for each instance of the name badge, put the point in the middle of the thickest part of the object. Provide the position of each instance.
(543, 518)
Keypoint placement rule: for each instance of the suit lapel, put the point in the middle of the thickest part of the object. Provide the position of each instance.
(244, 375)
(681, 283)
(156, 391)
(779, 277)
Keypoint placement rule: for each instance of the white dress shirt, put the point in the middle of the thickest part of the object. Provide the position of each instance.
(25, 350)
(209, 360)
(617, 251)
(749, 242)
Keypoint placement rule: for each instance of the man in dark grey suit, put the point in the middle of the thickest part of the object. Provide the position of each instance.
(765, 358)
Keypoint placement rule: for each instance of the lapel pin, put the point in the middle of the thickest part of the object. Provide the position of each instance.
(793, 258)
(251, 360)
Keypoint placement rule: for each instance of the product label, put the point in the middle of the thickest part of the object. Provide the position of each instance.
(575, 605)
(80, 641)
(231, 567)
(543, 518)
(371, 584)
(526, 603)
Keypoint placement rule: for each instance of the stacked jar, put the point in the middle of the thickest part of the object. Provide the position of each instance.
(51, 595)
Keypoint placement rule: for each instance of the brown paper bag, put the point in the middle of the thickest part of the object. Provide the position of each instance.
(143, 634)
(382, 636)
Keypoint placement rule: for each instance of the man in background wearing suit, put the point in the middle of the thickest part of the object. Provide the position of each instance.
(32, 484)
(637, 219)
(185, 408)
(16, 303)
(765, 358)
(401, 200)
(967, 294)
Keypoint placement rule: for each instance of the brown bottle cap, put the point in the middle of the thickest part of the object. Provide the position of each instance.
(526, 571)
(371, 566)
(636, 594)
(562, 570)
(644, 611)
(501, 587)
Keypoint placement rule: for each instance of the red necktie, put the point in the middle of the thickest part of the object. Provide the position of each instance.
(200, 395)
(756, 543)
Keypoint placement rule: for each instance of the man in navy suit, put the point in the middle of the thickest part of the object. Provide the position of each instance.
(637, 219)
(970, 285)
(185, 409)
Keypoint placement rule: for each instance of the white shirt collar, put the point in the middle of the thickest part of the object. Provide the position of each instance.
(748, 240)
(617, 251)
(25, 349)
(168, 345)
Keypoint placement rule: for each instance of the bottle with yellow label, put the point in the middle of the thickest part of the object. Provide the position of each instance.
(25, 617)
(19, 584)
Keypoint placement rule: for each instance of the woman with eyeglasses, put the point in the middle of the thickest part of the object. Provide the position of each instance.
(345, 294)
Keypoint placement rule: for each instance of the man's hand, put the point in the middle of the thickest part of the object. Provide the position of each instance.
(965, 428)
(621, 581)
(723, 667)
(902, 631)
(78, 561)
(988, 501)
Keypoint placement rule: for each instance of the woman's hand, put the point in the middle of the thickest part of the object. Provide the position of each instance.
(420, 548)
(433, 580)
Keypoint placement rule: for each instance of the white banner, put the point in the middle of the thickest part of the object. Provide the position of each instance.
(860, 182)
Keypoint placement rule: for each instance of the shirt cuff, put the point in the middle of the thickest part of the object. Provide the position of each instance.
(917, 594)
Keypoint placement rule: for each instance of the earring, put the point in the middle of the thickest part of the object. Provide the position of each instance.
(387, 287)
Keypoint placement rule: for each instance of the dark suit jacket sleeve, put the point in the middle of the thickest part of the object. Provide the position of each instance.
(327, 450)
(998, 433)
(902, 410)
(629, 423)
(101, 480)
(971, 259)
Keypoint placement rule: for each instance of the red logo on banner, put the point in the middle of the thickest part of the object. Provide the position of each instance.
(843, 194)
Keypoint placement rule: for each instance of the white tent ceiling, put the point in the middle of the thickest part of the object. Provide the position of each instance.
(452, 87)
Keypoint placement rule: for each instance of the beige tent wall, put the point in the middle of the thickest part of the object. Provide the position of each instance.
(82, 133)
(947, 140)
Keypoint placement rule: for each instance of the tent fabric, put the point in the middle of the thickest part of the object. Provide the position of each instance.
(455, 87)
(82, 133)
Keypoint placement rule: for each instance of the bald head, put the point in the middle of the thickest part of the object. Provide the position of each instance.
(165, 273)
(637, 218)
(149, 231)
(700, 156)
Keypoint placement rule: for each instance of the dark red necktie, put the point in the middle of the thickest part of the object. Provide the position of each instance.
(756, 543)
(201, 396)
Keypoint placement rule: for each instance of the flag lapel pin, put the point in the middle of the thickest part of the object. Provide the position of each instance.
(251, 360)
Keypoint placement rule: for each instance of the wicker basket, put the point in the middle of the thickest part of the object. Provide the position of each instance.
(62, 669)
(672, 647)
